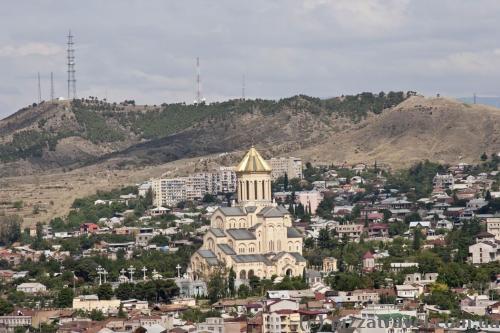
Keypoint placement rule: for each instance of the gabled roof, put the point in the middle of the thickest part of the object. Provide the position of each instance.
(293, 233)
(253, 162)
(226, 249)
(217, 232)
(242, 258)
(270, 211)
(297, 256)
(240, 234)
(232, 211)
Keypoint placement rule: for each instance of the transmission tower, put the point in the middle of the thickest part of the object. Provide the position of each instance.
(39, 89)
(71, 68)
(198, 82)
(51, 86)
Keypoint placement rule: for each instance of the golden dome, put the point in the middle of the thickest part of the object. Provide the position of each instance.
(253, 162)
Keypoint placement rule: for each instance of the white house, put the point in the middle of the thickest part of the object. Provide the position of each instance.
(31, 287)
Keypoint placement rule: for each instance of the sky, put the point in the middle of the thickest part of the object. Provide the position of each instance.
(146, 49)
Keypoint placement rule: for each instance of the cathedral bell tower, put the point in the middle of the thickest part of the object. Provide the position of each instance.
(254, 180)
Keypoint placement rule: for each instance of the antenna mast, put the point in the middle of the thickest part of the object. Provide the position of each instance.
(51, 86)
(71, 68)
(198, 83)
(39, 89)
(243, 88)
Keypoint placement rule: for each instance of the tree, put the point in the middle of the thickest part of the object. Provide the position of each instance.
(64, 298)
(10, 229)
(487, 197)
(5, 307)
(105, 291)
(484, 157)
(97, 315)
(417, 239)
(125, 291)
(230, 282)
(243, 291)
(216, 286)
(285, 182)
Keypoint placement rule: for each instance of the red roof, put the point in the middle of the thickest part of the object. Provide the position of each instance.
(368, 255)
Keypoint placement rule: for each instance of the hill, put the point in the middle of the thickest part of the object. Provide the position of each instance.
(394, 128)
(72, 134)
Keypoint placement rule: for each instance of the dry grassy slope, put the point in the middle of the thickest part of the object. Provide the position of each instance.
(437, 129)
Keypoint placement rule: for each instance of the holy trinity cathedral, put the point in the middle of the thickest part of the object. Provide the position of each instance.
(256, 236)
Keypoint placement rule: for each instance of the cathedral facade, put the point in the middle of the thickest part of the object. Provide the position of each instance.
(256, 236)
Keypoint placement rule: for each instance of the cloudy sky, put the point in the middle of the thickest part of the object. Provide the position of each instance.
(146, 49)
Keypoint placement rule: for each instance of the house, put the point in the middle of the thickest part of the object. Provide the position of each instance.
(493, 226)
(329, 264)
(89, 228)
(368, 262)
(92, 302)
(486, 249)
(420, 278)
(378, 230)
(444, 224)
(399, 266)
(409, 290)
(31, 288)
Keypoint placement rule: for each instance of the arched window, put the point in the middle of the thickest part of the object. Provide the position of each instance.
(255, 189)
(248, 190)
(263, 191)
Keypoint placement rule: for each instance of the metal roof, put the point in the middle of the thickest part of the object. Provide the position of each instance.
(271, 212)
(253, 162)
(232, 211)
(240, 234)
(226, 249)
(217, 232)
(243, 258)
(293, 233)
(207, 254)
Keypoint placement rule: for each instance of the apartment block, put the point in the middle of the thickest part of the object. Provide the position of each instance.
(292, 166)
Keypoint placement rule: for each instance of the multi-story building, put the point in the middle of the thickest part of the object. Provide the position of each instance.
(486, 249)
(443, 181)
(283, 321)
(168, 191)
(291, 166)
(493, 226)
(171, 191)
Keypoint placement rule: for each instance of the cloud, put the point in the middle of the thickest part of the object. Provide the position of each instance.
(31, 49)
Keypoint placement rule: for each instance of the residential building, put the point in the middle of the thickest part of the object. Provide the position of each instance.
(171, 191)
(291, 166)
(283, 321)
(92, 302)
(443, 181)
(309, 199)
(31, 288)
(493, 226)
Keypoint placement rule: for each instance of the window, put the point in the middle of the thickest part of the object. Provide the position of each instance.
(248, 190)
(255, 189)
